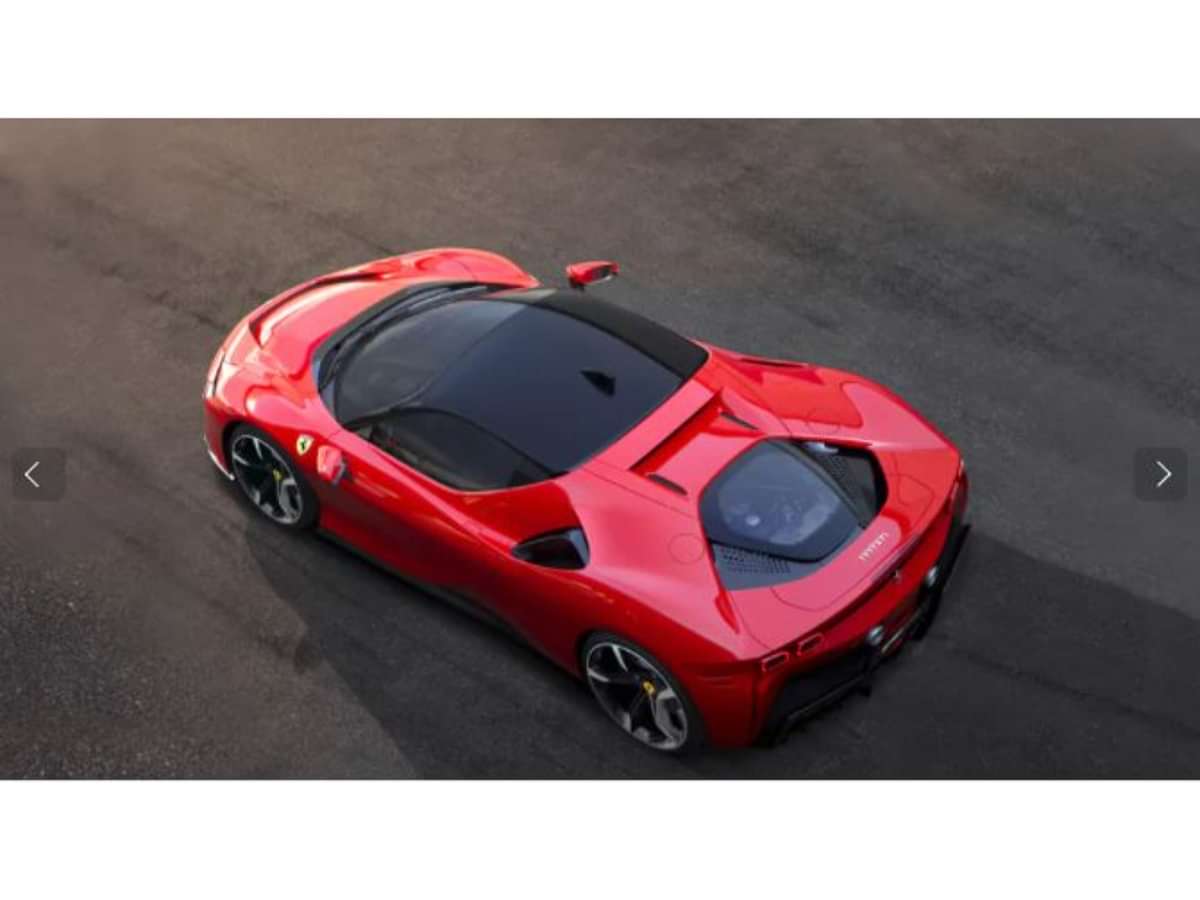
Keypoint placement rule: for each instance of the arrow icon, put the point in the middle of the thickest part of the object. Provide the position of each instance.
(1166, 477)
(29, 474)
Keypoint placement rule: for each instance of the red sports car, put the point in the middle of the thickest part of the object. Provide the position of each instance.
(719, 544)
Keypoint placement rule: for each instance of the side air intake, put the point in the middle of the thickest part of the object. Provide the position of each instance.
(566, 549)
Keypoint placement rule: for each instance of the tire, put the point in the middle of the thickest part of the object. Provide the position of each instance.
(630, 685)
(270, 481)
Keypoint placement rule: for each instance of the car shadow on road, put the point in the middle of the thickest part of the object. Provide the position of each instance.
(458, 695)
(1031, 670)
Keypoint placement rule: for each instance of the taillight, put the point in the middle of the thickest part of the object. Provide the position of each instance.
(775, 660)
(809, 644)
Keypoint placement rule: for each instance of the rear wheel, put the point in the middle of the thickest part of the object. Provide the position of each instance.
(637, 692)
(270, 480)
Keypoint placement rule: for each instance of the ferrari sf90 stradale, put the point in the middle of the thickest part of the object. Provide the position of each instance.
(719, 544)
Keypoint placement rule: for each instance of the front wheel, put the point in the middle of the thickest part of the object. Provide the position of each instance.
(270, 480)
(640, 695)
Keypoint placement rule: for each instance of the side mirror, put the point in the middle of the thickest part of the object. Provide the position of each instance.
(331, 465)
(593, 271)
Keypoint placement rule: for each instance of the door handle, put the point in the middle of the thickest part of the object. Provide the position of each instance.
(331, 465)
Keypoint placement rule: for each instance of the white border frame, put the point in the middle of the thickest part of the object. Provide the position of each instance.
(621, 58)
(533, 839)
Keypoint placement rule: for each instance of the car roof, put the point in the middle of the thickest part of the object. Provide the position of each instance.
(557, 375)
(671, 350)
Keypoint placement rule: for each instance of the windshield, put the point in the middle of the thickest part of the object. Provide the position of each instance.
(402, 358)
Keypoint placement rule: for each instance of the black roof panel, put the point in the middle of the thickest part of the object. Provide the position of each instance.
(557, 375)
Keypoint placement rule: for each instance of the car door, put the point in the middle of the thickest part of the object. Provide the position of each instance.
(407, 490)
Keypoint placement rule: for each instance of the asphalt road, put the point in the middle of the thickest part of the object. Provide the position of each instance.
(1032, 287)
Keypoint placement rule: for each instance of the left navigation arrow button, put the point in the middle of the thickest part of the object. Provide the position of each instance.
(39, 473)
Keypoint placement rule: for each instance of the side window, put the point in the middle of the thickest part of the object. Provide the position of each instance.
(453, 451)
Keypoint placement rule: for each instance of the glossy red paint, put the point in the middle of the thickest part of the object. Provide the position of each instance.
(581, 274)
(650, 576)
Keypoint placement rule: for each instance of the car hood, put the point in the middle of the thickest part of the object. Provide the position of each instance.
(290, 326)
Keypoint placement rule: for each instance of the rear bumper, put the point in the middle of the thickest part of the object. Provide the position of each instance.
(808, 692)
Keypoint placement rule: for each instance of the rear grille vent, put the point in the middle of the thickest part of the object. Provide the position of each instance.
(836, 465)
(735, 559)
(741, 569)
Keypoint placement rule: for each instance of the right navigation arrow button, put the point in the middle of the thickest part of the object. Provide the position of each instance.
(1167, 473)
(1160, 474)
